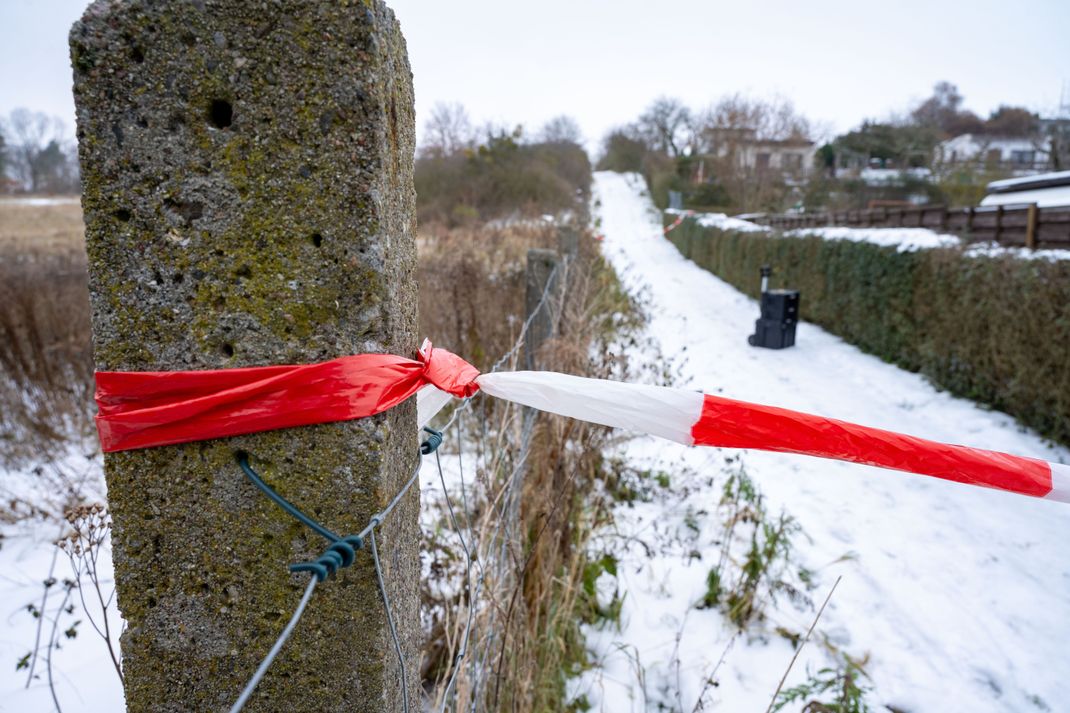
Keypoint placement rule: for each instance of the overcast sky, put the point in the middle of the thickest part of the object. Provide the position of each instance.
(602, 61)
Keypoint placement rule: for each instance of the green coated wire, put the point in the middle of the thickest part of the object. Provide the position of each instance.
(340, 554)
(243, 461)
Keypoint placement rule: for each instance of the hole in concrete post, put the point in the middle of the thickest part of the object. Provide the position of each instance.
(228, 350)
(220, 113)
(137, 54)
(123, 214)
(317, 239)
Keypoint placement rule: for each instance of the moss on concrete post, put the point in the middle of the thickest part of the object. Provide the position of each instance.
(248, 197)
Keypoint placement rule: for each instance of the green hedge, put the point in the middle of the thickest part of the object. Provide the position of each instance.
(992, 329)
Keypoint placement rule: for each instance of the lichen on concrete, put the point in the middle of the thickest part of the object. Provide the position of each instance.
(247, 190)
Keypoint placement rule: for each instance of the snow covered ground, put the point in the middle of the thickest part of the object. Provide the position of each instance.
(84, 678)
(960, 595)
(41, 200)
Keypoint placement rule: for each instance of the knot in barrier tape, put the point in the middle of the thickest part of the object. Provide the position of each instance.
(144, 409)
(448, 372)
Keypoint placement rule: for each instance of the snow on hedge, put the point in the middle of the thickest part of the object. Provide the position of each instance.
(904, 239)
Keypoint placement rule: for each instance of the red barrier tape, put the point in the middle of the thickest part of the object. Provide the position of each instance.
(145, 409)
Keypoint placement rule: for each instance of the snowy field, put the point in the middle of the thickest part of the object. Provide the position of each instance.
(960, 596)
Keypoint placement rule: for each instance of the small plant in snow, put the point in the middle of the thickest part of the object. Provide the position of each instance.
(90, 530)
(755, 563)
(839, 689)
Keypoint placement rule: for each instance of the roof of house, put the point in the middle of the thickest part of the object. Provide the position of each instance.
(1047, 190)
(1041, 180)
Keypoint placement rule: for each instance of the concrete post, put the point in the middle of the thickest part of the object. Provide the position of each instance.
(543, 277)
(248, 198)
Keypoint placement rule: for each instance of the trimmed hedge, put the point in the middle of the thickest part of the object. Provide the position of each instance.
(992, 329)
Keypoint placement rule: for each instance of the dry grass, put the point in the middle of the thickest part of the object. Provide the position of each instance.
(45, 357)
(532, 511)
(472, 286)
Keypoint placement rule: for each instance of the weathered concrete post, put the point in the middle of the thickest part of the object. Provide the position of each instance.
(248, 197)
(543, 277)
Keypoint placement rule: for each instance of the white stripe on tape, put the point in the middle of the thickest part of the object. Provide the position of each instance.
(1060, 483)
(657, 410)
(429, 401)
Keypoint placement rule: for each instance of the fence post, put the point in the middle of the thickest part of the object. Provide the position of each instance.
(999, 224)
(248, 197)
(568, 241)
(544, 277)
(1031, 226)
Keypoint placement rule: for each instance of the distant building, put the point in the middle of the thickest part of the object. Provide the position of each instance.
(793, 157)
(1021, 156)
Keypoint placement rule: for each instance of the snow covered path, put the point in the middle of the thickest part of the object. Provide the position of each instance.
(960, 595)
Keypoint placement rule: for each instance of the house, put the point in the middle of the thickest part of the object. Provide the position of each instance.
(1022, 156)
(791, 157)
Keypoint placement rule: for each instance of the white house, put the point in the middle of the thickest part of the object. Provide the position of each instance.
(1020, 155)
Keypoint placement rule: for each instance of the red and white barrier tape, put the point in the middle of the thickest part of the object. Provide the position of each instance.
(672, 226)
(693, 418)
(146, 409)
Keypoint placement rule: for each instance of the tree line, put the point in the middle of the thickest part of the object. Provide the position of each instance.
(710, 155)
(36, 154)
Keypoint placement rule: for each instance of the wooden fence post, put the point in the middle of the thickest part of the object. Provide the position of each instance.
(248, 197)
(544, 277)
(1031, 226)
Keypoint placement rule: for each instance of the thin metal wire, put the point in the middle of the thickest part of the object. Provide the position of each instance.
(378, 518)
(389, 617)
(266, 663)
(531, 318)
(468, 584)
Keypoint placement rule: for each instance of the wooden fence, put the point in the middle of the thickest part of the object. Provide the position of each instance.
(1021, 225)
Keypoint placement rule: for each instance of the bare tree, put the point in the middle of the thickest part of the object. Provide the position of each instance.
(38, 152)
(448, 131)
(561, 129)
(738, 115)
(728, 135)
(665, 125)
